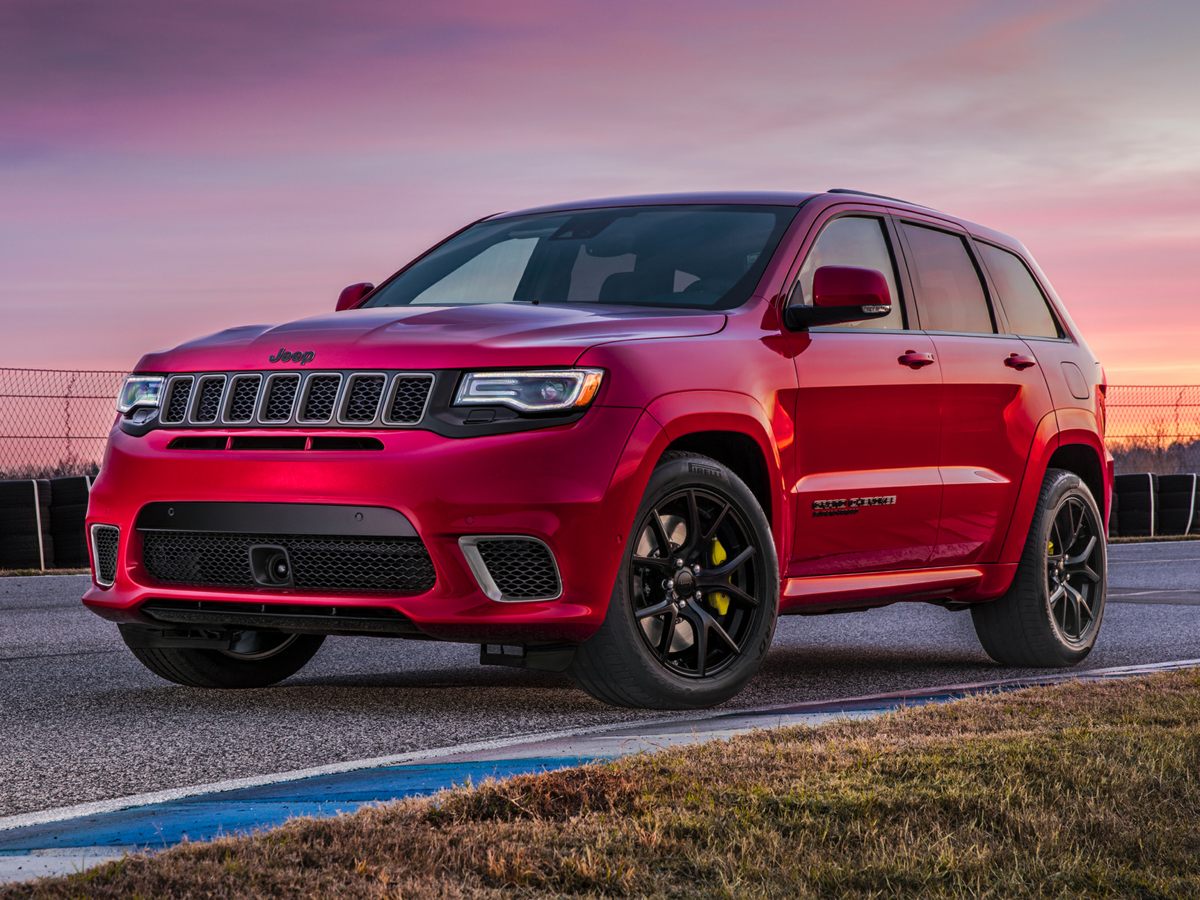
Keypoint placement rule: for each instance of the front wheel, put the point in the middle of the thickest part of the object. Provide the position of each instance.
(256, 659)
(1051, 615)
(693, 611)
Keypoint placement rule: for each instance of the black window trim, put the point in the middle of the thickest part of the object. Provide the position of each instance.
(989, 296)
(1063, 334)
(891, 242)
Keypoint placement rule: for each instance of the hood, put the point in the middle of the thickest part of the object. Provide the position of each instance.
(433, 337)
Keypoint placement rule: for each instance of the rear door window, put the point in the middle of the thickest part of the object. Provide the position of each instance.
(950, 292)
(1024, 304)
(860, 242)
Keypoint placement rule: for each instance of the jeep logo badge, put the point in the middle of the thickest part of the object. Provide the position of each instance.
(297, 356)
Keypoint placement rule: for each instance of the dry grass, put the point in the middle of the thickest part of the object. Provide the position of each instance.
(1085, 789)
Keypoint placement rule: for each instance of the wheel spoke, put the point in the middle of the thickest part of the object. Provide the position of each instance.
(653, 562)
(1083, 556)
(1058, 594)
(711, 587)
(660, 532)
(716, 523)
(701, 643)
(730, 566)
(668, 633)
(657, 609)
(693, 527)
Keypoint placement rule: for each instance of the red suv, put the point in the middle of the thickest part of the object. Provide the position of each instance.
(619, 438)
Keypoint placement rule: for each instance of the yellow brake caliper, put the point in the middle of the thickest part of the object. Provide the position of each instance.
(1050, 548)
(718, 600)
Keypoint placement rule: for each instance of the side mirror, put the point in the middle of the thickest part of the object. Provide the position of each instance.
(350, 296)
(842, 294)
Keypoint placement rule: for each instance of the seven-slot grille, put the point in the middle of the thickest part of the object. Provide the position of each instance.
(335, 399)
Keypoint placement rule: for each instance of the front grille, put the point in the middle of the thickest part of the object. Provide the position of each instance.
(297, 399)
(242, 396)
(519, 568)
(409, 393)
(179, 392)
(105, 540)
(321, 398)
(362, 398)
(216, 559)
(281, 397)
(208, 405)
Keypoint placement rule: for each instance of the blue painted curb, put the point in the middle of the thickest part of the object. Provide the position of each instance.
(242, 811)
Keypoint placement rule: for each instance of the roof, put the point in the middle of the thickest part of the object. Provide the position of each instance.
(749, 198)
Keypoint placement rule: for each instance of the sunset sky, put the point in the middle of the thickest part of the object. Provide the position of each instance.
(171, 168)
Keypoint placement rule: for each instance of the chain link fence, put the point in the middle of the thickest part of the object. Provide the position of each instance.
(53, 422)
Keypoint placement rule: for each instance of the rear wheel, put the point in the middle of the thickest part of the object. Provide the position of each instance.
(256, 659)
(693, 611)
(1051, 615)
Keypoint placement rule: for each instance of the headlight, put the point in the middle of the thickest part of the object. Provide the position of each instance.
(140, 390)
(556, 390)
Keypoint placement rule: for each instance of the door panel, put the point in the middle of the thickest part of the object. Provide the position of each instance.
(869, 492)
(990, 412)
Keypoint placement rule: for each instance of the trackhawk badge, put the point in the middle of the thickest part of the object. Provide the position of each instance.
(848, 506)
(297, 356)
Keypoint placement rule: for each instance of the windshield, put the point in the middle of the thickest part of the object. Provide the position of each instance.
(699, 257)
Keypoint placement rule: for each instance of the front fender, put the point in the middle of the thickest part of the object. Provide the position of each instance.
(688, 413)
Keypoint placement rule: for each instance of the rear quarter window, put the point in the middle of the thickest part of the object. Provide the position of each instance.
(1025, 305)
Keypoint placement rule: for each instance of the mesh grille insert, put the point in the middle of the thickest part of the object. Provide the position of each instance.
(396, 565)
(364, 394)
(208, 407)
(177, 403)
(105, 539)
(281, 395)
(243, 397)
(322, 394)
(408, 399)
(522, 569)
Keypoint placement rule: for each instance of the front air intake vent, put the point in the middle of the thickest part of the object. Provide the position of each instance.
(512, 568)
(280, 399)
(105, 541)
(395, 565)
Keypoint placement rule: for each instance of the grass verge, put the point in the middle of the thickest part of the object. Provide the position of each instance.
(1080, 789)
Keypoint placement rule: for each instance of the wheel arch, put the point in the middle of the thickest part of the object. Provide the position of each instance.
(737, 432)
(1069, 442)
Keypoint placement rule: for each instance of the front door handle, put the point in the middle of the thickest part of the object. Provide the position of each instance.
(915, 360)
(1019, 362)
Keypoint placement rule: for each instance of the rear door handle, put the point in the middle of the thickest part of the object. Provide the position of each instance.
(1019, 362)
(915, 360)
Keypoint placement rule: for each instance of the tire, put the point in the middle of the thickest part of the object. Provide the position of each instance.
(654, 661)
(1038, 622)
(282, 656)
(70, 490)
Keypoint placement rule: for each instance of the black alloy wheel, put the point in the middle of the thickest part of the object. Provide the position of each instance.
(694, 578)
(1072, 569)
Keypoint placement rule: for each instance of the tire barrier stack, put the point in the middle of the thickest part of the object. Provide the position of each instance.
(1148, 505)
(42, 523)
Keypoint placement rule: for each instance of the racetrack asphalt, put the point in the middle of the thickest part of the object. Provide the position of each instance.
(81, 720)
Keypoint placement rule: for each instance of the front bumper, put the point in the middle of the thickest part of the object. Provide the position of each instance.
(574, 487)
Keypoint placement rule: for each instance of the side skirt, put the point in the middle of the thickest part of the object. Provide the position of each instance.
(844, 593)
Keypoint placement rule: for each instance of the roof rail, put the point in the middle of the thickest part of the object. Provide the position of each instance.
(876, 196)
